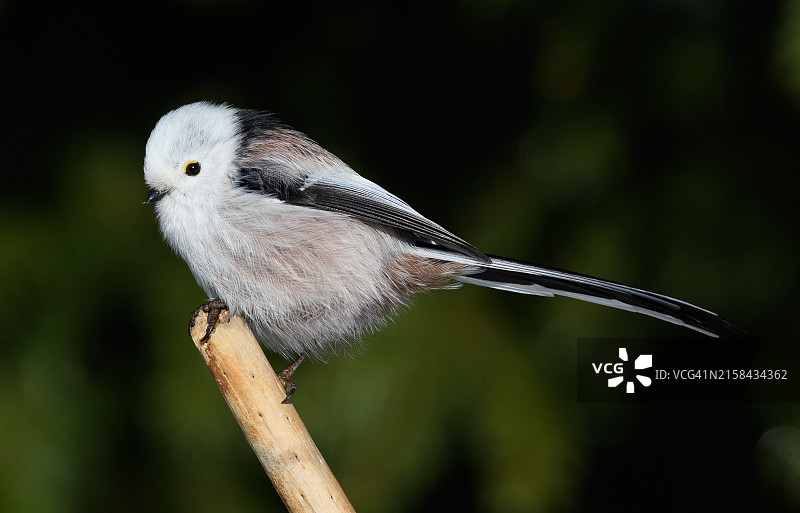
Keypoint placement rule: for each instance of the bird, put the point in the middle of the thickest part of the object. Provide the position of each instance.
(314, 256)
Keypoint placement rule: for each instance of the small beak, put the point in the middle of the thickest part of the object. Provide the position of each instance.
(153, 196)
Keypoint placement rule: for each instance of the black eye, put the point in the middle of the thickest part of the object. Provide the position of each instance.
(192, 168)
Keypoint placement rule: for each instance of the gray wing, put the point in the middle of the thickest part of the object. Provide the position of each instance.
(356, 196)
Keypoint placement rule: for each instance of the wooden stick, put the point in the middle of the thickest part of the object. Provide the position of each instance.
(275, 431)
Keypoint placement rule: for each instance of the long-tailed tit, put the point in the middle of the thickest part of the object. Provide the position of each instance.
(312, 254)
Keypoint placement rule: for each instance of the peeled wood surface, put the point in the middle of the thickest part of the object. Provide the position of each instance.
(275, 431)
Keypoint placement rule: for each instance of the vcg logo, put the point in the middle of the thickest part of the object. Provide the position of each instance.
(617, 369)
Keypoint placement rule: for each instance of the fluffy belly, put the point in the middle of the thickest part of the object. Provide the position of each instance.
(306, 280)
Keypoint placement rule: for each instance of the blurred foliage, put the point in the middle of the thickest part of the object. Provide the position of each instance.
(648, 142)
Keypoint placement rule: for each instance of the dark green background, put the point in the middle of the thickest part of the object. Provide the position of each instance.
(649, 142)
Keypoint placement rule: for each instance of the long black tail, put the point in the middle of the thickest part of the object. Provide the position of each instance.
(526, 278)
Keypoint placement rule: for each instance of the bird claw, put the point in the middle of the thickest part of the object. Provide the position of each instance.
(288, 386)
(214, 309)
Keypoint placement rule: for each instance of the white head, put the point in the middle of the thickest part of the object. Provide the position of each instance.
(191, 149)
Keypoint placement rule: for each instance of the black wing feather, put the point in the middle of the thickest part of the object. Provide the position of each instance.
(357, 201)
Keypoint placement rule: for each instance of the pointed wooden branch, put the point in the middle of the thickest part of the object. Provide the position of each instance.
(275, 431)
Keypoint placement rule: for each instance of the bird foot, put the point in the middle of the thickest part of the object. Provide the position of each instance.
(288, 386)
(214, 309)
